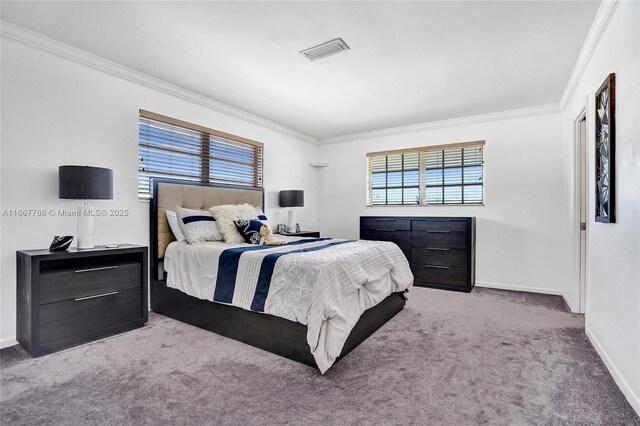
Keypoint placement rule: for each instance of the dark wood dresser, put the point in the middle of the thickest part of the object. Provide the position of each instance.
(440, 250)
(71, 297)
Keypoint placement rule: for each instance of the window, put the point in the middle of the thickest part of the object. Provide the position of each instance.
(394, 178)
(176, 149)
(444, 174)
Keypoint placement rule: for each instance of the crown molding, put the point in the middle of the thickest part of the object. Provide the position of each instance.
(454, 122)
(31, 38)
(598, 27)
(600, 23)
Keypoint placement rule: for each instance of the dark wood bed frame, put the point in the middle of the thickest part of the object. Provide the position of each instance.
(273, 334)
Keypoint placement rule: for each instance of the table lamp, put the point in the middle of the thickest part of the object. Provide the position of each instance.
(292, 198)
(85, 183)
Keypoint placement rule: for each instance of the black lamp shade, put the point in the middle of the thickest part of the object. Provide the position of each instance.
(85, 183)
(292, 198)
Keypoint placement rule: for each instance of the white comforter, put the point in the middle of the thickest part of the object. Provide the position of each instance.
(323, 284)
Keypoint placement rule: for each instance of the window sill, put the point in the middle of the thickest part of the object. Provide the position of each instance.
(427, 205)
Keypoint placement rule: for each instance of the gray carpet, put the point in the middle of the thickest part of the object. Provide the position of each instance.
(490, 357)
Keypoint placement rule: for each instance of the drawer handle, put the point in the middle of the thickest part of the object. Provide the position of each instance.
(111, 293)
(385, 220)
(439, 249)
(96, 269)
(439, 232)
(436, 266)
(386, 230)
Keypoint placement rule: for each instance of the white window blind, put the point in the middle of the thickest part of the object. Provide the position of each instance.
(175, 149)
(394, 179)
(432, 175)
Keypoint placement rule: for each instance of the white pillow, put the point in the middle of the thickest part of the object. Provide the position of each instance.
(226, 214)
(263, 217)
(197, 225)
(173, 224)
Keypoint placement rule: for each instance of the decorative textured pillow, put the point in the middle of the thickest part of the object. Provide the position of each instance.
(173, 224)
(197, 225)
(226, 214)
(263, 217)
(249, 229)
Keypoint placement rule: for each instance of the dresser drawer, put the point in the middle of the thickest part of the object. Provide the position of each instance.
(401, 238)
(439, 256)
(73, 317)
(440, 239)
(445, 225)
(378, 223)
(440, 275)
(67, 284)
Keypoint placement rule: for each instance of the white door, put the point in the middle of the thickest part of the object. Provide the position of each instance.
(584, 197)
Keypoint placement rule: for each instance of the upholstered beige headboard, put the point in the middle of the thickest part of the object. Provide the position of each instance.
(193, 195)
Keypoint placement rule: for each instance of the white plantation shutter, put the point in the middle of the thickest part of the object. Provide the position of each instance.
(175, 149)
(449, 174)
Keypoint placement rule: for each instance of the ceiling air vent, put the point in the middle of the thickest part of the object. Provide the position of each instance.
(325, 49)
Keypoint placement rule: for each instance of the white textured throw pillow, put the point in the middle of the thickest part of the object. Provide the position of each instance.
(263, 217)
(226, 214)
(172, 218)
(197, 225)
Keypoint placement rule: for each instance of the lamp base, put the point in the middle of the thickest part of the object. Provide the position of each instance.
(291, 222)
(85, 227)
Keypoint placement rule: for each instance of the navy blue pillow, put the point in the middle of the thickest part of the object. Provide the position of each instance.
(249, 229)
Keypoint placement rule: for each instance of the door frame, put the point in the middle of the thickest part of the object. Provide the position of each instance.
(580, 238)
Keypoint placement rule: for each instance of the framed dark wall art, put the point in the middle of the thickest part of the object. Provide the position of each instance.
(605, 150)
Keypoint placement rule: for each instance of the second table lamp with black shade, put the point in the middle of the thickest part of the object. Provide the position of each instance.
(292, 198)
(85, 183)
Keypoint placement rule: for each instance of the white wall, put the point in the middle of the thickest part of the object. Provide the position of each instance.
(613, 250)
(56, 111)
(522, 234)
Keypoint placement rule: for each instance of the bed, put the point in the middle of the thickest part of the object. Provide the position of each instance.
(320, 299)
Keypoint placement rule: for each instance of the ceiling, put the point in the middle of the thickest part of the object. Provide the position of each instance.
(410, 62)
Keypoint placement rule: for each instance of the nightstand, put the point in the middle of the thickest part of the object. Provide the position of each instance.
(66, 298)
(313, 234)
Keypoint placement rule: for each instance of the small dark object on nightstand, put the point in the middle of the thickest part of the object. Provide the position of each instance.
(60, 243)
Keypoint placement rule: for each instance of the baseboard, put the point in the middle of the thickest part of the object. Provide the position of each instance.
(527, 289)
(633, 399)
(8, 342)
(569, 303)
